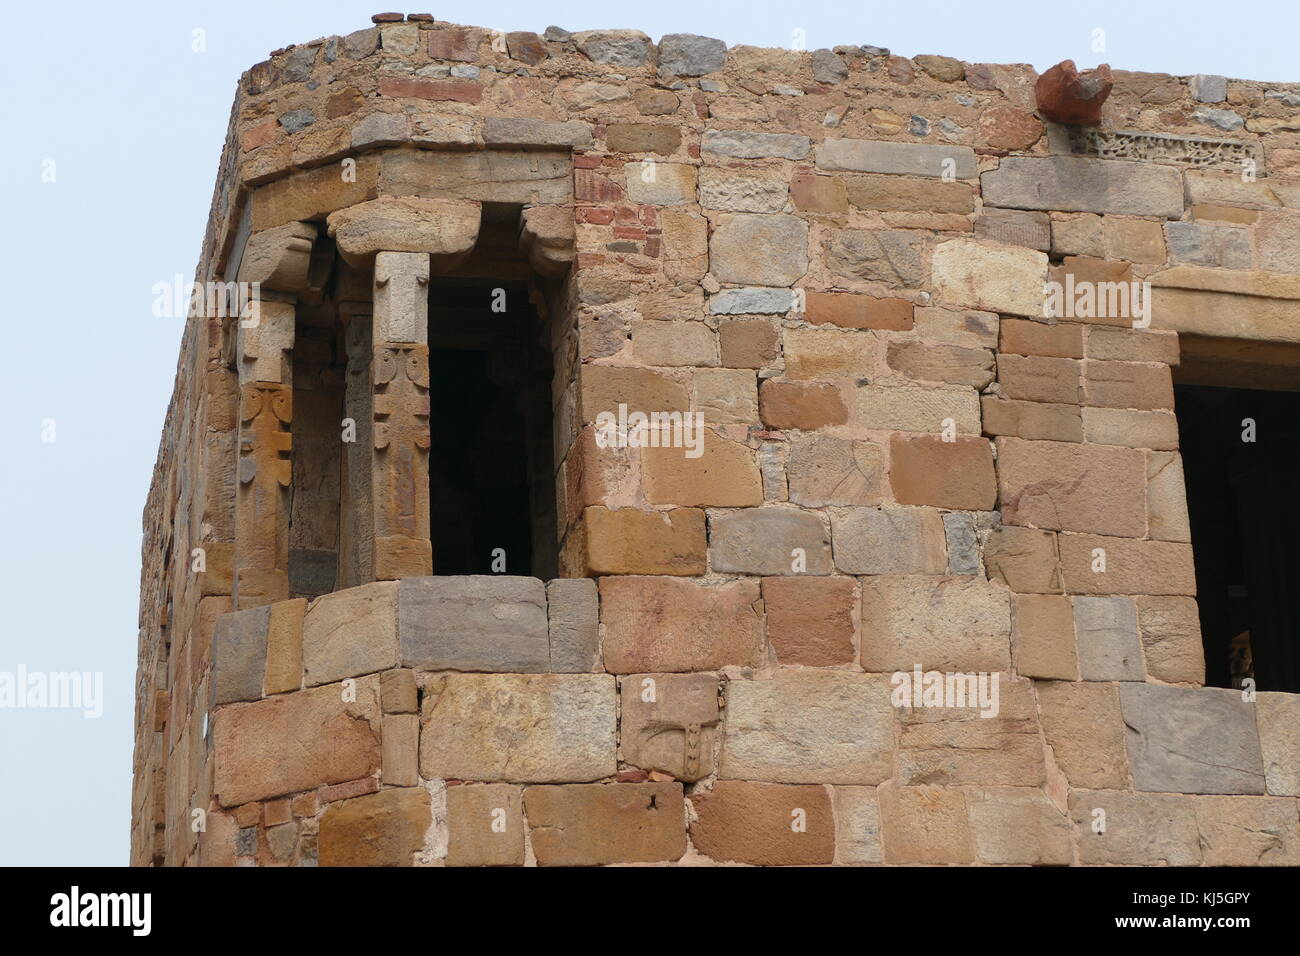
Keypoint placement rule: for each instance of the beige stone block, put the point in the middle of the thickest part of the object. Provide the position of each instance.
(1131, 566)
(1171, 639)
(958, 474)
(656, 624)
(1066, 487)
(1018, 826)
(824, 470)
(1040, 379)
(605, 387)
(1026, 560)
(1167, 497)
(726, 396)
(811, 620)
(724, 475)
(284, 647)
(953, 364)
(1084, 728)
(1035, 421)
(758, 249)
(1044, 642)
(1278, 715)
(1078, 234)
(596, 824)
(660, 184)
(1131, 345)
(764, 824)
(917, 408)
(1141, 829)
(485, 825)
(1022, 337)
(521, 728)
(885, 192)
(1248, 831)
(674, 343)
(350, 632)
(925, 825)
(941, 623)
(1127, 385)
(748, 343)
(1137, 240)
(989, 276)
(1130, 427)
(401, 742)
(829, 353)
(632, 541)
(379, 829)
(857, 825)
(808, 726)
(669, 723)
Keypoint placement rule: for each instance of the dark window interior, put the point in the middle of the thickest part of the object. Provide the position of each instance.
(490, 474)
(1245, 531)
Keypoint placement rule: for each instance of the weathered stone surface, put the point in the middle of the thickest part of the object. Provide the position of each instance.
(656, 624)
(725, 475)
(293, 742)
(1015, 227)
(802, 405)
(495, 175)
(909, 194)
(809, 727)
(401, 736)
(684, 54)
(1226, 303)
(917, 159)
(350, 632)
(1130, 566)
(595, 824)
(445, 228)
(1132, 428)
(824, 470)
(642, 138)
(485, 825)
(573, 611)
(1085, 731)
(284, 647)
(752, 301)
(996, 278)
(941, 623)
(1137, 240)
(1171, 639)
(476, 622)
(966, 328)
(857, 825)
(764, 541)
(972, 746)
(615, 47)
(1024, 559)
(522, 131)
(810, 620)
(818, 195)
(828, 68)
(1036, 421)
(888, 541)
(523, 728)
(741, 144)
(398, 692)
(915, 408)
(1127, 385)
(1106, 629)
(750, 248)
(926, 470)
(1018, 826)
(633, 541)
(828, 353)
(1006, 127)
(1205, 244)
(1037, 378)
(239, 655)
(1248, 831)
(1066, 95)
(765, 824)
(1068, 487)
(925, 825)
(1184, 740)
(942, 363)
(891, 256)
(1084, 184)
(849, 311)
(963, 544)
(1141, 829)
(660, 184)
(378, 829)
(1020, 337)
(668, 723)
(1044, 637)
(1277, 716)
(735, 192)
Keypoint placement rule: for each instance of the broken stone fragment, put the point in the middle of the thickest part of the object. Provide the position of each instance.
(1064, 95)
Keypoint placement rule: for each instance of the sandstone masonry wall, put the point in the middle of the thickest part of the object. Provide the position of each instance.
(839, 258)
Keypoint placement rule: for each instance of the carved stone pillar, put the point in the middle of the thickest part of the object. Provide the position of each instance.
(402, 238)
(278, 261)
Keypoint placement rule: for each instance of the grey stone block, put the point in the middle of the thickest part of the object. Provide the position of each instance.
(762, 541)
(573, 612)
(888, 541)
(752, 301)
(878, 156)
(685, 54)
(1109, 645)
(1191, 740)
(477, 622)
(745, 145)
(509, 131)
(239, 655)
(1085, 184)
(1208, 88)
(963, 544)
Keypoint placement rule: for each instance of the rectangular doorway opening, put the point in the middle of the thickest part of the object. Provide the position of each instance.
(491, 479)
(1241, 451)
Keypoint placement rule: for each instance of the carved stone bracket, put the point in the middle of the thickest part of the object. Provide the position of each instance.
(444, 229)
(547, 236)
(280, 258)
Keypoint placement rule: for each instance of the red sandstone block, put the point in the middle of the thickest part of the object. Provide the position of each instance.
(460, 91)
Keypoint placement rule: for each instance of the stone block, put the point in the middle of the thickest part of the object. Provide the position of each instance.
(656, 624)
(1024, 559)
(605, 387)
(959, 623)
(725, 475)
(478, 622)
(752, 301)
(521, 728)
(918, 408)
(811, 620)
(806, 726)
(824, 470)
(1035, 421)
(642, 138)
(596, 824)
(1022, 337)
(1127, 385)
(1141, 829)
(614, 47)
(1015, 228)
(1107, 635)
(802, 405)
(1044, 637)
(1093, 564)
(522, 131)
(958, 474)
(685, 54)
(379, 829)
(750, 248)
(735, 192)
(910, 194)
(989, 276)
(1067, 487)
(239, 655)
(668, 723)
(350, 632)
(573, 607)
(1085, 184)
(485, 825)
(741, 144)
(764, 824)
(284, 646)
(294, 742)
(851, 311)
(1083, 727)
(401, 740)
(877, 156)
(726, 395)
(1018, 826)
(964, 328)
(769, 541)
(632, 541)
(889, 541)
(1248, 831)
(1130, 428)
(942, 363)
(1171, 639)
(927, 825)
(398, 693)
(894, 257)
(825, 353)
(1040, 379)
(1277, 716)
(857, 825)
(1191, 740)
(660, 184)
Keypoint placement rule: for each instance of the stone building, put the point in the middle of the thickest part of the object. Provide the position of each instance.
(983, 401)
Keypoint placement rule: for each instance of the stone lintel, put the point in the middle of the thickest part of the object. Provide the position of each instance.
(443, 229)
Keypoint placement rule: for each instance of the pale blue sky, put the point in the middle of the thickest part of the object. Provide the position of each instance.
(134, 121)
